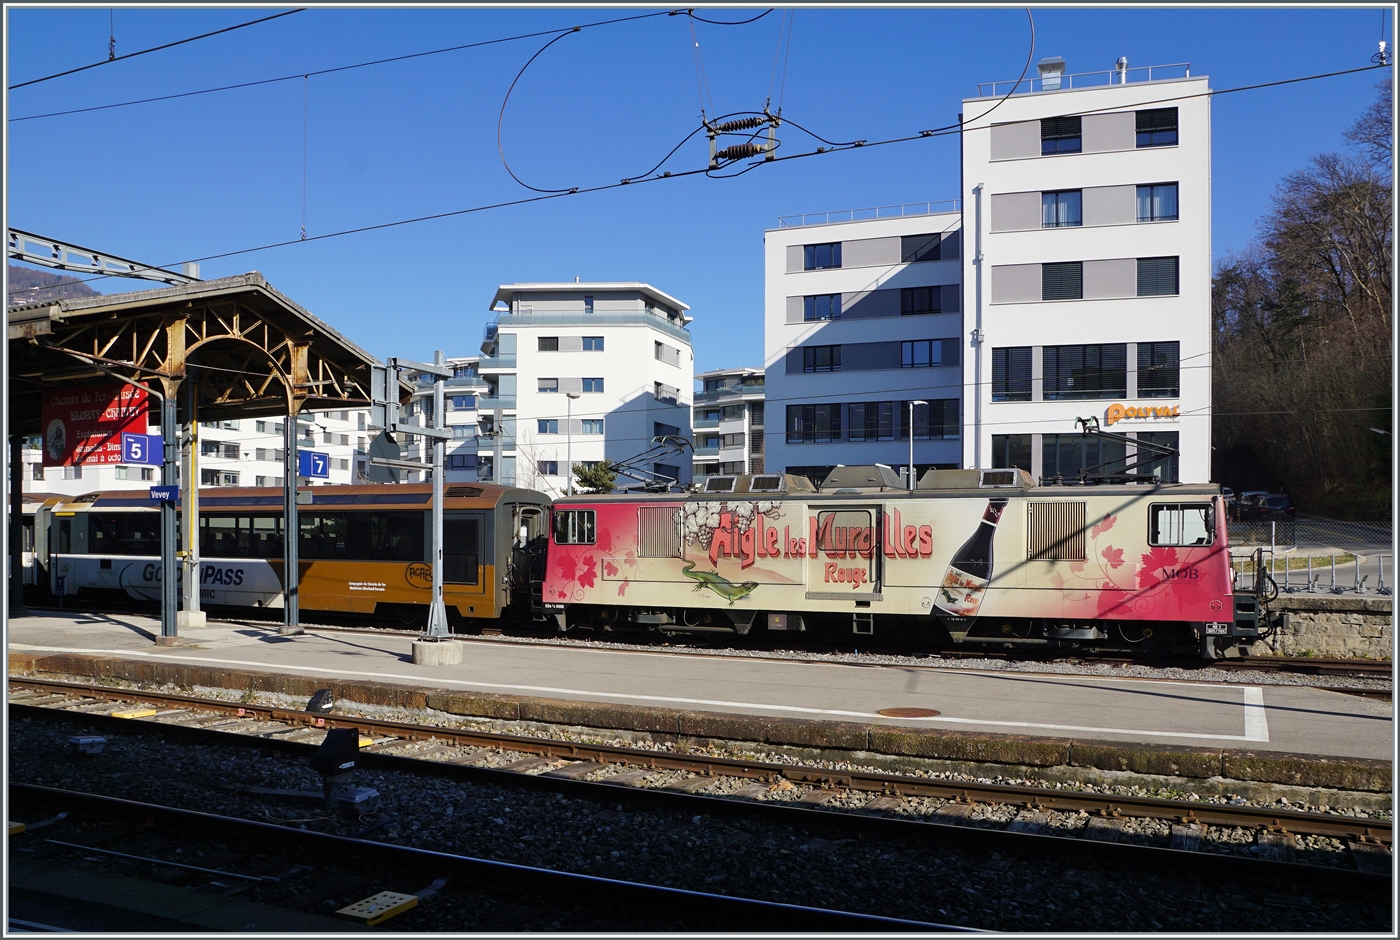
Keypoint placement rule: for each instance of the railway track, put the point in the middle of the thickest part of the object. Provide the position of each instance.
(274, 858)
(1350, 854)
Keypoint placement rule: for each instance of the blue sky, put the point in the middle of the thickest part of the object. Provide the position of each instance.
(197, 176)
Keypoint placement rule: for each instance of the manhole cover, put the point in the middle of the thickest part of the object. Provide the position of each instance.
(908, 713)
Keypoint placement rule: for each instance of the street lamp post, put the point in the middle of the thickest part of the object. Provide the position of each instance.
(911, 442)
(569, 452)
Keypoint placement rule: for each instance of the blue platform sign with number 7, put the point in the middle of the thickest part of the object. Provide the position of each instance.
(312, 463)
(142, 448)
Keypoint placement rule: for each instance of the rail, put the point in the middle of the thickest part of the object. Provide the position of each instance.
(871, 212)
(1144, 73)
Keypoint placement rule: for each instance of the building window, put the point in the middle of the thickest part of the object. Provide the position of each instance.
(714, 385)
(460, 403)
(460, 432)
(548, 425)
(818, 257)
(37, 471)
(1011, 450)
(344, 440)
(1156, 128)
(821, 358)
(934, 421)
(218, 478)
(1065, 455)
(732, 413)
(587, 304)
(1062, 209)
(279, 428)
(922, 353)
(821, 307)
(1062, 281)
(548, 343)
(342, 463)
(592, 385)
(813, 424)
(665, 393)
(871, 421)
(121, 473)
(1168, 469)
(732, 440)
(669, 471)
(148, 473)
(1156, 202)
(920, 247)
(1059, 135)
(260, 481)
(915, 300)
(549, 468)
(1159, 370)
(326, 437)
(461, 461)
(548, 385)
(593, 344)
(1080, 372)
(1157, 277)
(360, 420)
(662, 430)
(260, 427)
(1011, 374)
(591, 426)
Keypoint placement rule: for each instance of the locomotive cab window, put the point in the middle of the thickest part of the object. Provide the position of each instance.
(1181, 524)
(573, 526)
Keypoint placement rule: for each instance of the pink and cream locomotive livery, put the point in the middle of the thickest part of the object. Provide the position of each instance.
(986, 556)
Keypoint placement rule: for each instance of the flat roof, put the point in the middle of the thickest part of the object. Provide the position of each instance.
(505, 290)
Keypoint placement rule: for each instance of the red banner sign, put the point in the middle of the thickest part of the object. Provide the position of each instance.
(85, 425)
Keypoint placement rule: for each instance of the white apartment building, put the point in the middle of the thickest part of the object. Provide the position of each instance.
(1071, 280)
(241, 452)
(728, 422)
(578, 371)
(1087, 212)
(863, 315)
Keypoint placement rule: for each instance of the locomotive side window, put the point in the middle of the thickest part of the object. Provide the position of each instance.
(1181, 524)
(573, 527)
(461, 539)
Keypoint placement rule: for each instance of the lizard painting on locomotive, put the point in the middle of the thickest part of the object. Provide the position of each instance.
(999, 563)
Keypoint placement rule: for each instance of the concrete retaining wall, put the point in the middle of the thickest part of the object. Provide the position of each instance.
(983, 749)
(1337, 626)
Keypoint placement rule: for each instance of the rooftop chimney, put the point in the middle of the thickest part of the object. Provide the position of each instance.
(1051, 70)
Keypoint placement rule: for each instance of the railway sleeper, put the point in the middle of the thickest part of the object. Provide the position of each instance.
(1277, 846)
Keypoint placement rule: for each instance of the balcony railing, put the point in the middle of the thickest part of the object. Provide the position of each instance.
(730, 391)
(873, 212)
(574, 318)
(710, 450)
(705, 423)
(1143, 73)
(493, 402)
(506, 361)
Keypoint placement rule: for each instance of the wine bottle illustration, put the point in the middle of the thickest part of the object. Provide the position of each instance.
(970, 568)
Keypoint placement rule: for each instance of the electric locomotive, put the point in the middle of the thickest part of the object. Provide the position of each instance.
(967, 556)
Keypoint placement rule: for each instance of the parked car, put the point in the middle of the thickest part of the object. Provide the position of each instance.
(1245, 499)
(1268, 507)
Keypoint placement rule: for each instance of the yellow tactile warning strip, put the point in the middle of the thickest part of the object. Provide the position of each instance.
(380, 907)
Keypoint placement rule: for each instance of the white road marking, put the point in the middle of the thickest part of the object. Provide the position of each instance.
(1256, 724)
(1255, 727)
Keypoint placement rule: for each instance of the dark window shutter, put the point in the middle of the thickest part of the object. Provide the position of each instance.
(1062, 281)
(1157, 277)
(1061, 126)
(920, 247)
(1157, 119)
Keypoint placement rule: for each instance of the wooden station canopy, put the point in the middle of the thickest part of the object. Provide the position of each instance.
(252, 351)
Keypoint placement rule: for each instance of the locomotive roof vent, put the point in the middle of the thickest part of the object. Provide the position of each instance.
(767, 483)
(720, 485)
(999, 478)
(862, 478)
(973, 479)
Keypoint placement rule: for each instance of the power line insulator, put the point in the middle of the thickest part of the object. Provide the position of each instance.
(739, 152)
(742, 124)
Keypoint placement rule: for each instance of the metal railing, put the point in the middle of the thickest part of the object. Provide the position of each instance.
(545, 317)
(729, 391)
(872, 212)
(1333, 573)
(505, 361)
(1143, 73)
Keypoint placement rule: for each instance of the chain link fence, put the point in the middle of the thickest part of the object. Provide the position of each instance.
(1312, 555)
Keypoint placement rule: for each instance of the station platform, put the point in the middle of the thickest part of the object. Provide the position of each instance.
(1041, 710)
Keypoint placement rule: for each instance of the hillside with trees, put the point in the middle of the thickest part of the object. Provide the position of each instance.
(28, 286)
(1303, 397)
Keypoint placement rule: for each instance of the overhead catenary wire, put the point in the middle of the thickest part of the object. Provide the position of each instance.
(339, 68)
(169, 45)
(922, 135)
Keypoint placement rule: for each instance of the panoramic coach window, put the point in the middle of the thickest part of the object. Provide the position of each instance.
(1181, 524)
(573, 527)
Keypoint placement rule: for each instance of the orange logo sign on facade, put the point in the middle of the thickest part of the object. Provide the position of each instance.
(1117, 412)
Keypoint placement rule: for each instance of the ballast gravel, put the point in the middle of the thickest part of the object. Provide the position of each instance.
(886, 876)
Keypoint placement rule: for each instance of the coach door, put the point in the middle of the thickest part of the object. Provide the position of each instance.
(843, 553)
(462, 539)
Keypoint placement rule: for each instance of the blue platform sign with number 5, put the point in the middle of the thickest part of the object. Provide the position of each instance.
(142, 448)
